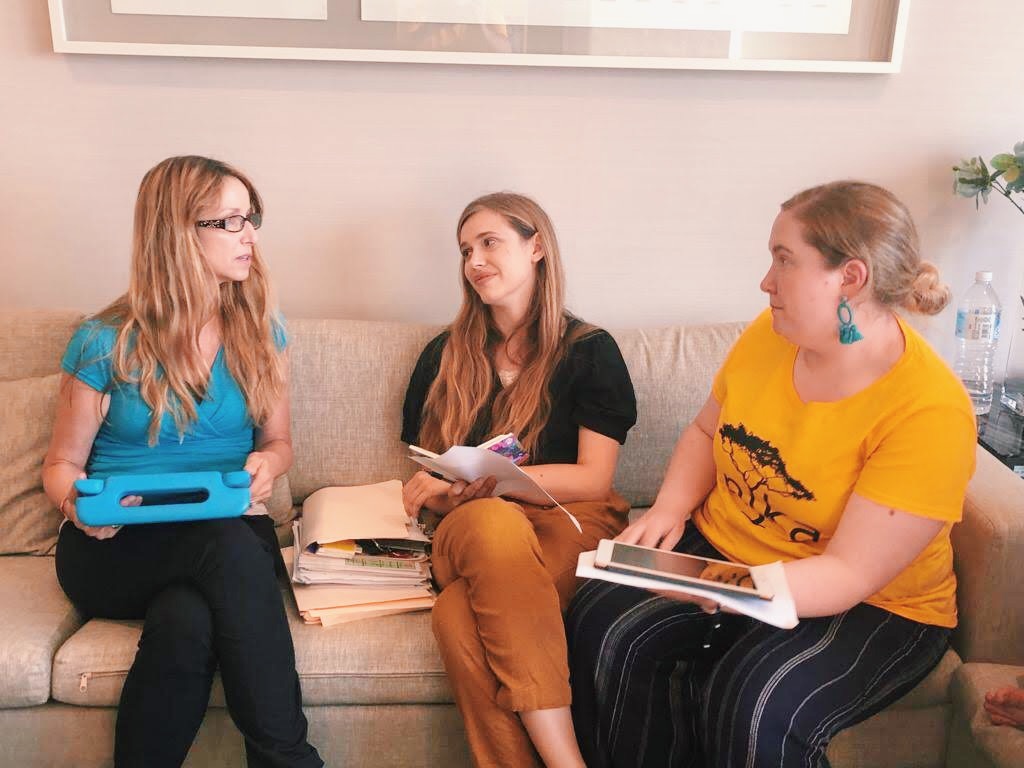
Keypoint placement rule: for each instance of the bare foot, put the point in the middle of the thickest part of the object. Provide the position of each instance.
(1005, 706)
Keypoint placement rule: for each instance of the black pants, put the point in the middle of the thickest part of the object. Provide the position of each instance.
(209, 596)
(660, 683)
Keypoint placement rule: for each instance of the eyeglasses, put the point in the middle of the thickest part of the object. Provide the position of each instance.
(233, 223)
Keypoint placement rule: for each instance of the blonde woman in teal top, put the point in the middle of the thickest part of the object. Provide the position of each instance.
(185, 372)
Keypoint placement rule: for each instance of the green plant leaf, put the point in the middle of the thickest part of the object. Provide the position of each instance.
(1004, 162)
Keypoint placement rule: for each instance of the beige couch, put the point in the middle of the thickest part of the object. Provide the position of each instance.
(375, 691)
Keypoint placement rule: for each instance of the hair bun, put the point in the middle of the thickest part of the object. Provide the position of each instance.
(928, 294)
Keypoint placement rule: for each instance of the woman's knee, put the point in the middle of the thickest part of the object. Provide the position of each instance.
(179, 627)
(596, 607)
(492, 528)
(230, 544)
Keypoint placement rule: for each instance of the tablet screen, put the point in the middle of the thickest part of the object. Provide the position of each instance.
(680, 568)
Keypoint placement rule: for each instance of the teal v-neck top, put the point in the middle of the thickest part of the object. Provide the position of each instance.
(219, 440)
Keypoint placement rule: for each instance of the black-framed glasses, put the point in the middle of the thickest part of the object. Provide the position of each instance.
(234, 223)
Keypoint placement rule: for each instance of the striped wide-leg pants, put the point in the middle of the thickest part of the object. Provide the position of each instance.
(657, 682)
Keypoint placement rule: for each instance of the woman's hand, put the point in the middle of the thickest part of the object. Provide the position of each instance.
(70, 511)
(424, 490)
(661, 526)
(259, 464)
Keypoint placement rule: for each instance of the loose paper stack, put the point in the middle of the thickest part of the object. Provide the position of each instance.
(330, 604)
(333, 580)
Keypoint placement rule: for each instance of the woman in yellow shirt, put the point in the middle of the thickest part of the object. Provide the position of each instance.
(834, 440)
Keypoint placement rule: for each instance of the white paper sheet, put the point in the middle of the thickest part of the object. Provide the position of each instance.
(779, 611)
(809, 16)
(469, 463)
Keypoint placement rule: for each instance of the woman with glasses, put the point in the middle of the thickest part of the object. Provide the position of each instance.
(515, 361)
(185, 372)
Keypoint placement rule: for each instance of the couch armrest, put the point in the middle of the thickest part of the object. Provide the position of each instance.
(973, 741)
(988, 549)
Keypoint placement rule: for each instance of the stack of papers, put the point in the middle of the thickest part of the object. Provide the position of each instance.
(331, 604)
(335, 577)
(359, 569)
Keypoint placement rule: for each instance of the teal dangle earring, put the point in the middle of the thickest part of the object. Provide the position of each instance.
(848, 333)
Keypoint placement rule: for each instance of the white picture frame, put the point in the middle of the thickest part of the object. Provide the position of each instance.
(873, 44)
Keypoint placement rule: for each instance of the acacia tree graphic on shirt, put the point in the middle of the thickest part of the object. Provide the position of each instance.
(763, 472)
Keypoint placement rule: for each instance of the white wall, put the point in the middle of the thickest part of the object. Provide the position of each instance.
(662, 185)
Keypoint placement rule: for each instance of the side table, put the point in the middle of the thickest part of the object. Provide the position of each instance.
(1001, 433)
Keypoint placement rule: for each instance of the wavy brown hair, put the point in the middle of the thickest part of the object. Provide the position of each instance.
(855, 220)
(462, 388)
(173, 293)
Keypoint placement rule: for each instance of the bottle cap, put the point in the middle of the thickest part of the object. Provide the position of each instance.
(983, 277)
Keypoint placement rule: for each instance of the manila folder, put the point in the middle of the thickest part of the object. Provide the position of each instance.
(354, 512)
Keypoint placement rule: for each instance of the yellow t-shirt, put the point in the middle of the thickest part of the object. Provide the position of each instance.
(785, 468)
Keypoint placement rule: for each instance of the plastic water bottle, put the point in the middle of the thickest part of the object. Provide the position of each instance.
(977, 335)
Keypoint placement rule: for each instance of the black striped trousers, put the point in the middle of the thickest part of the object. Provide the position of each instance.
(657, 682)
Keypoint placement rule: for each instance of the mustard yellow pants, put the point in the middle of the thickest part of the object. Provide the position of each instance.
(507, 573)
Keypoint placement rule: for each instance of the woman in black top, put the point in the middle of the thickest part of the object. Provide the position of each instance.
(514, 361)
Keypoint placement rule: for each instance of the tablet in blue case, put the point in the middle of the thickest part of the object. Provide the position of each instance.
(166, 497)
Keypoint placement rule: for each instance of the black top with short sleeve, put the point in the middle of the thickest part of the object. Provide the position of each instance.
(589, 388)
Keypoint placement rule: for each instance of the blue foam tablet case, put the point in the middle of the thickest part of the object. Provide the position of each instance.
(99, 500)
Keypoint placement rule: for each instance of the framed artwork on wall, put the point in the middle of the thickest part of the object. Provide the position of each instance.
(778, 35)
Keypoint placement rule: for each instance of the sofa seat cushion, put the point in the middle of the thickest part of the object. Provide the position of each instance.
(389, 660)
(894, 739)
(934, 689)
(90, 668)
(38, 618)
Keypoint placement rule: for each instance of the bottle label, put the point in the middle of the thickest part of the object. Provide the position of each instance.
(977, 324)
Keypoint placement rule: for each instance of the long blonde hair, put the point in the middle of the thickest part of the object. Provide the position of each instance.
(462, 388)
(173, 293)
(856, 220)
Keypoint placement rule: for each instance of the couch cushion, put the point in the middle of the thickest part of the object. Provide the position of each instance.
(32, 341)
(351, 434)
(37, 619)
(28, 520)
(672, 369)
(934, 689)
(90, 668)
(911, 733)
(894, 739)
(388, 660)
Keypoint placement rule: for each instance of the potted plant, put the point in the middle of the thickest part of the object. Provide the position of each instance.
(973, 178)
